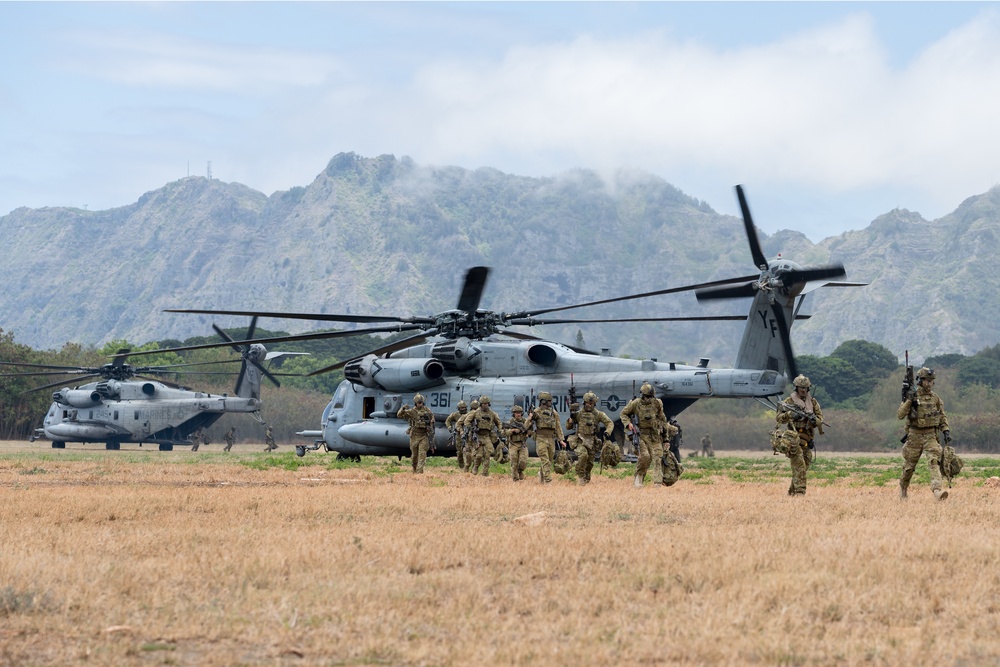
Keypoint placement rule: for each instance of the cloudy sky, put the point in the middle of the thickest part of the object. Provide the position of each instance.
(830, 113)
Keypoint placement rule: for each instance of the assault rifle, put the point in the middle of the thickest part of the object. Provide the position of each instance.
(798, 412)
(909, 391)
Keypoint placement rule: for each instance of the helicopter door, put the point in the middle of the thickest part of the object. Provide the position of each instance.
(368, 407)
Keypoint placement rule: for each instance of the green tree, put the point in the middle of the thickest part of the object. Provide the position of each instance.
(833, 377)
(870, 359)
(979, 370)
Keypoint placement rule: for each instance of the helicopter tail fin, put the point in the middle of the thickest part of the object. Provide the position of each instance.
(251, 372)
(766, 343)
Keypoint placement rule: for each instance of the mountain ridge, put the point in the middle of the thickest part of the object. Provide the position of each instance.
(385, 236)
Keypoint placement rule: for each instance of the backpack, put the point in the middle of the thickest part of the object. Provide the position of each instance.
(783, 439)
(951, 463)
(672, 469)
(611, 455)
(561, 465)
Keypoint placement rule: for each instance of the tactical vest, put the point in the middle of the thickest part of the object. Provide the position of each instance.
(928, 412)
(484, 423)
(647, 413)
(517, 437)
(546, 419)
(422, 421)
(586, 422)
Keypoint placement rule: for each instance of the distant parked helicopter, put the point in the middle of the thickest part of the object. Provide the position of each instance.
(463, 353)
(124, 406)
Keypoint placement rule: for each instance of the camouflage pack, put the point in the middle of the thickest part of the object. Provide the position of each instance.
(951, 463)
(672, 469)
(783, 439)
(562, 463)
(611, 454)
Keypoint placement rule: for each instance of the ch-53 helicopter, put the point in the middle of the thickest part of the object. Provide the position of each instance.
(464, 353)
(125, 405)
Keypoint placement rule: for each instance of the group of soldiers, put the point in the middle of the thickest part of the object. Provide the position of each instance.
(479, 436)
(200, 437)
(799, 418)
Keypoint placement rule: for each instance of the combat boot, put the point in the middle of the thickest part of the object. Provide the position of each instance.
(902, 492)
(940, 494)
(637, 481)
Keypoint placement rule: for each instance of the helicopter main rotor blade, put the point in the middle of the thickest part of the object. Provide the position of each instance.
(320, 317)
(49, 366)
(670, 290)
(39, 373)
(530, 322)
(287, 339)
(736, 292)
(758, 255)
(60, 383)
(472, 289)
(251, 329)
(391, 347)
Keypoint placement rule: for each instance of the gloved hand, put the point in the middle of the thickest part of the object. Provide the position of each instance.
(947, 437)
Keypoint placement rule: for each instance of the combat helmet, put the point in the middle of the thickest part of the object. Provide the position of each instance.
(484, 400)
(544, 396)
(802, 381)
(418, 398)
(462, 406)
(516, 409)
(646, 389)
(474, 405)
(925, 373)
(590, 397)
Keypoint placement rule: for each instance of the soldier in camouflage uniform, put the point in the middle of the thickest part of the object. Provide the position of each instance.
(543, 424)
(706, 446)
(269, 440)
(451, 423)
(230, 437)
(195, 440)
(648, 411)
(486, 425)
(924, 415)
(587, 422)
(801, 413)
(517, 443)
(421, 431)
(465, 432)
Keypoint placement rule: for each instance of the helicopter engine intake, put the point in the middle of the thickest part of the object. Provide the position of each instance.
(395, 374)
(78, 398)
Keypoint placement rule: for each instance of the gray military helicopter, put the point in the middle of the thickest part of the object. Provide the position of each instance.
(125, 405)
(463, 353)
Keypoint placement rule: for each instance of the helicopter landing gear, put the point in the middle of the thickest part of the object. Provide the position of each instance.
(56, 444)
(113, 445)
(354, 458)
(166, 446)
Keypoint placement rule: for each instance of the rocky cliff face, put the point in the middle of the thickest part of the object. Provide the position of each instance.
(386, 236)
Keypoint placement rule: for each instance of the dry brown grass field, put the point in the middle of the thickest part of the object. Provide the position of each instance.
(149, 558)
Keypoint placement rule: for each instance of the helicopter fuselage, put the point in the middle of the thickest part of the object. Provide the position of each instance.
(361, 417)
(135, 411)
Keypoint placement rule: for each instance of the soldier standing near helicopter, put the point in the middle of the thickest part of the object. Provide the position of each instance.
(230, 438)
(648, 412)
(485, 423)
(517, 436)
(543, 424)
(588, 422)
(465, 435)
(924, 415)
(269, 440)
(802, 414)
(452, 424)
(421, 430)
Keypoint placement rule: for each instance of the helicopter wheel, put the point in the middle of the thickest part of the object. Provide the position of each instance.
(58, 445)
(113, 445)
(166, 447)
(300, 450)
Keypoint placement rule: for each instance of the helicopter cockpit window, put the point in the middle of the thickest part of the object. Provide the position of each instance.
(339, 396)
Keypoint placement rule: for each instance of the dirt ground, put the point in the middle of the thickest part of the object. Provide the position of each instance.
(145, 557)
